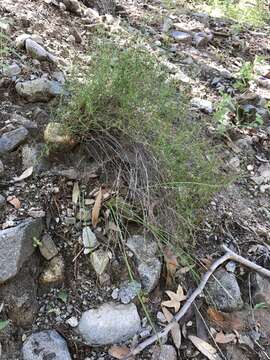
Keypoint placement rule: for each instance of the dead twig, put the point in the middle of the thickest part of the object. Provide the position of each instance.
(229, 255)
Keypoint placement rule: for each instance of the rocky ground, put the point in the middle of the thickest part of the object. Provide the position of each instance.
(65, 289)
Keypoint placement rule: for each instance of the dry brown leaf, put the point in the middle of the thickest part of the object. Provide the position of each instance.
(206, 349)
(175, 298)
(175, 331)
(118, 352)
(215, 315)
(75, 193)
(222, 338)
(96, 208)
(28, 172)
(14, 201)
(171, 265)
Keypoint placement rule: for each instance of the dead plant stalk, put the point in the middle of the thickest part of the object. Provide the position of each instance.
(229, 255)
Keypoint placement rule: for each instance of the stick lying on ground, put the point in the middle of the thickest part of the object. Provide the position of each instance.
(229, 255)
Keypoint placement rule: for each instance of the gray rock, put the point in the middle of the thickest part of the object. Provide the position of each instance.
(16, 245)
(90, 241)
(109, 324)
(149, 266)
(47, 344)
(223, 292)
(2, 169)
(261, 289)
(149, 274)
(11, 70)
(34, 155)
(181, 37)
(11, 140)
(40, 89)
(2, 201)
(143, 248)
(37, 51)
(21, 120)
(48, 248)
(202, 104)
(20, 40)
(166, 352)
(128, 291)
(202, 39)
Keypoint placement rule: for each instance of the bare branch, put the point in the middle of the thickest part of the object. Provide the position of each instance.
(229, 255)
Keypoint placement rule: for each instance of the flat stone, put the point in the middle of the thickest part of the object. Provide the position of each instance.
(202, 104)
(11, 140)
(223, 292)
(109, 324)
(99, 260)
(47, 344)
(48, 249)
(181, 37)
(16, 246)
(41, 89)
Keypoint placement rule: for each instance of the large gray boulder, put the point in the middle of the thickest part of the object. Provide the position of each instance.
(16, 246)
(41, 89)
(223, 292)
(11, 140)
(47, 344)
(37, 51)
(109, 324)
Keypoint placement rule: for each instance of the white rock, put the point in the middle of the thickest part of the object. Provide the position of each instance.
(202, 104)
(99, 260)
(109, 324)
(73, 322)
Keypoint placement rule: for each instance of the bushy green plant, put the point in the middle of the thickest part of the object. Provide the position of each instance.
(244, 76)
(127, 94)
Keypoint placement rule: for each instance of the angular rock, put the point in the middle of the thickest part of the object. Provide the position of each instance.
(48, 248)
(109, 324)
(149, 266)
(99, 260)
(143, 248)
(55, 134)
(16, 245)
(202, 104)
(264, 82)
(261, 291)
(40, 89)
(128, 291)
(165, 352)
(11, 140)
(47, 344)
(202, 39)
(90, 241)
(33, 155)
(181, 37)
(37, 51)
(149, 274)
(54, 272)
(223, 292)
